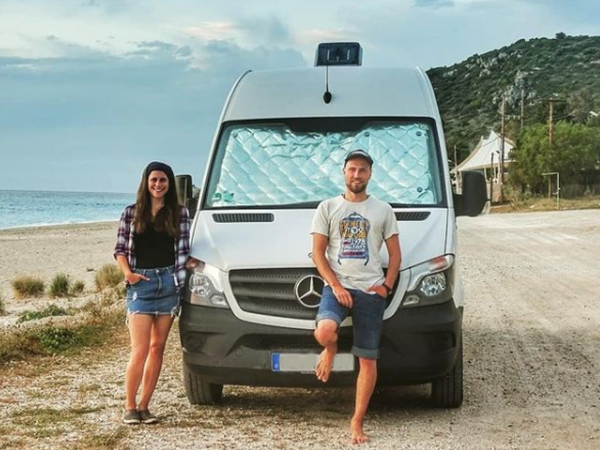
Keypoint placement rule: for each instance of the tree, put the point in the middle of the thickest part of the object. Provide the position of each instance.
(580, 104)
(574, 152)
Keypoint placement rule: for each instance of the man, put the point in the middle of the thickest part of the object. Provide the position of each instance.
(348, 232)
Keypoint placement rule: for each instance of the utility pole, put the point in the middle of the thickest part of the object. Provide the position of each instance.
(522, 108)
(502, 143)
(458, 181)
(492, 179)
(455, 160)
(551, 122)
(551, 102)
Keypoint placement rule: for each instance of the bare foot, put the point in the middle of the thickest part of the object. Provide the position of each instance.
(358, 436)
(323, 369)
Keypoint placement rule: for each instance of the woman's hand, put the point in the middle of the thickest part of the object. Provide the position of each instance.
(134, 278)
(192, 263)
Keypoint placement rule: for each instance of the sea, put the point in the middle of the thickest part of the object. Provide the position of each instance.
(41, 208)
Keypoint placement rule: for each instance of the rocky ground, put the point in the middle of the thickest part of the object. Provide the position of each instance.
(532, 360)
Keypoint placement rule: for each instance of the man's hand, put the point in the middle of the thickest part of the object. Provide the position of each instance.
(343, 297)
(379, 290)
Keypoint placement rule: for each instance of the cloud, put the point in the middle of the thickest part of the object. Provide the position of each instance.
(253, 31)
(314, 36)
(268, 30)
(159, 49)
(96, 119)
(208, 31)
(576, 12)
(434, 3)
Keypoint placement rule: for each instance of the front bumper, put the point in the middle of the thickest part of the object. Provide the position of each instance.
(417, 346)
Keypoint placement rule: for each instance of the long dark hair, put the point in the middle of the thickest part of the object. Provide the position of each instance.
(167, 219)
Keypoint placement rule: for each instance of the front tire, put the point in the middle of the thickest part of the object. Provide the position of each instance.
(447, 391)
(198, 390)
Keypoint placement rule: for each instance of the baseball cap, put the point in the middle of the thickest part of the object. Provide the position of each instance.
(359, 154)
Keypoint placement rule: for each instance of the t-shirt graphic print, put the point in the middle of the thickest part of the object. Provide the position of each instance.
(354, 230)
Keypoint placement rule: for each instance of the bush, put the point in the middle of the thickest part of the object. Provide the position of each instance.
(109, 276)
(48, 339)
(50, 311)
(59, 286)
(78, 287)
(55, 339)
(28, 286)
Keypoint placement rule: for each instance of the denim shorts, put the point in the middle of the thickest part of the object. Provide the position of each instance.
(367, 319)
(158, 296)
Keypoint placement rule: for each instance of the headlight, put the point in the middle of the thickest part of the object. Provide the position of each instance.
(433, 285)
(205, 287)
(430, 282)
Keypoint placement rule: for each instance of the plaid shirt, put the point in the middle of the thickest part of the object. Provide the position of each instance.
(124, 245)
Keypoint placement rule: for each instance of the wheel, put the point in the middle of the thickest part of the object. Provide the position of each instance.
(200, 391)
(447, 391)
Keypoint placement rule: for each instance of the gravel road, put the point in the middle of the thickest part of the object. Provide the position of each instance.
(532, 360)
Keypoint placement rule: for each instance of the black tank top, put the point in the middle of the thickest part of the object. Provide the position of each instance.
(153, 249)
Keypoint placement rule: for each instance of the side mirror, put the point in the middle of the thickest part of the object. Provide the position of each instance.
(185, 193)
(473, 198)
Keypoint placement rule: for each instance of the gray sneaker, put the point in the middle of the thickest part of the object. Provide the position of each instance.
(147, 417)
(131, 416)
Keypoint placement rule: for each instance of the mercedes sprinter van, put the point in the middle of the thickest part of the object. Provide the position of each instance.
(249, 309)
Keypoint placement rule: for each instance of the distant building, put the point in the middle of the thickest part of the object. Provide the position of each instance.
(485, 158)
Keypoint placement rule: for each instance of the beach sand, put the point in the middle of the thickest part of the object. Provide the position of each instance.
(76, 250)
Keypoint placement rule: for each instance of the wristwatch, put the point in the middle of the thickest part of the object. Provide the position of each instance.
(387, 288)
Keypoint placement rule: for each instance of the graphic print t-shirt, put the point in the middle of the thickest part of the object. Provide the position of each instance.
(356, 232)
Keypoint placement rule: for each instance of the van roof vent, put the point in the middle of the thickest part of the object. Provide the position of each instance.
(338, 54)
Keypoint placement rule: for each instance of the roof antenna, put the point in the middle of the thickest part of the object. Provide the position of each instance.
(337, 54)
(327, 95)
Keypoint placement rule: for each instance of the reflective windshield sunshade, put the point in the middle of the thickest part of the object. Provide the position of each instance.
(274, 164)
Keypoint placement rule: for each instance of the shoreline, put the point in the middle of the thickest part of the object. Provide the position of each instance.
(62, 224)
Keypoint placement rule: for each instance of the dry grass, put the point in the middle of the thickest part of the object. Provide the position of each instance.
(2, 304)
(28, 286)
(59, 286)
(92, 326)
(526, 204)
(49, 311)
(105, 440)
(78, 287)
(109, 276)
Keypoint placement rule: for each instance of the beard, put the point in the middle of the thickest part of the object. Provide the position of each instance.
(357, 188)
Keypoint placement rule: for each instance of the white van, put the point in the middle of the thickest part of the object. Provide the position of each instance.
(249, 309)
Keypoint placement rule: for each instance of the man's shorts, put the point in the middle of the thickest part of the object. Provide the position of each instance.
(367, 319)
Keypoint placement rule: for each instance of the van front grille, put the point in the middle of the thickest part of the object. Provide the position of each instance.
(270, 292)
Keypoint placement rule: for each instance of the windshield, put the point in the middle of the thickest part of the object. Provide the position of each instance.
(298, 163)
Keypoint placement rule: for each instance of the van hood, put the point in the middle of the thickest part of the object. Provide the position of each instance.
(286, 240)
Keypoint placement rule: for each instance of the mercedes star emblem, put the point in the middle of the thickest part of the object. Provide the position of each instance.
(308, 290)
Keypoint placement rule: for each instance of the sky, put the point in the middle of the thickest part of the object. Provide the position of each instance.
(93, 90)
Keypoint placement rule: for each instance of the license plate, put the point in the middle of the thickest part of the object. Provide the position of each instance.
(307, 362)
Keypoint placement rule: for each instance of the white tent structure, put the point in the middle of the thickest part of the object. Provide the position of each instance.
(486, 156)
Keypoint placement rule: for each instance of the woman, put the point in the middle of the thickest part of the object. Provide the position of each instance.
(152, 250)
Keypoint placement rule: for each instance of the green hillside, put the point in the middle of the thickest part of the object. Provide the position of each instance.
(470, 93)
